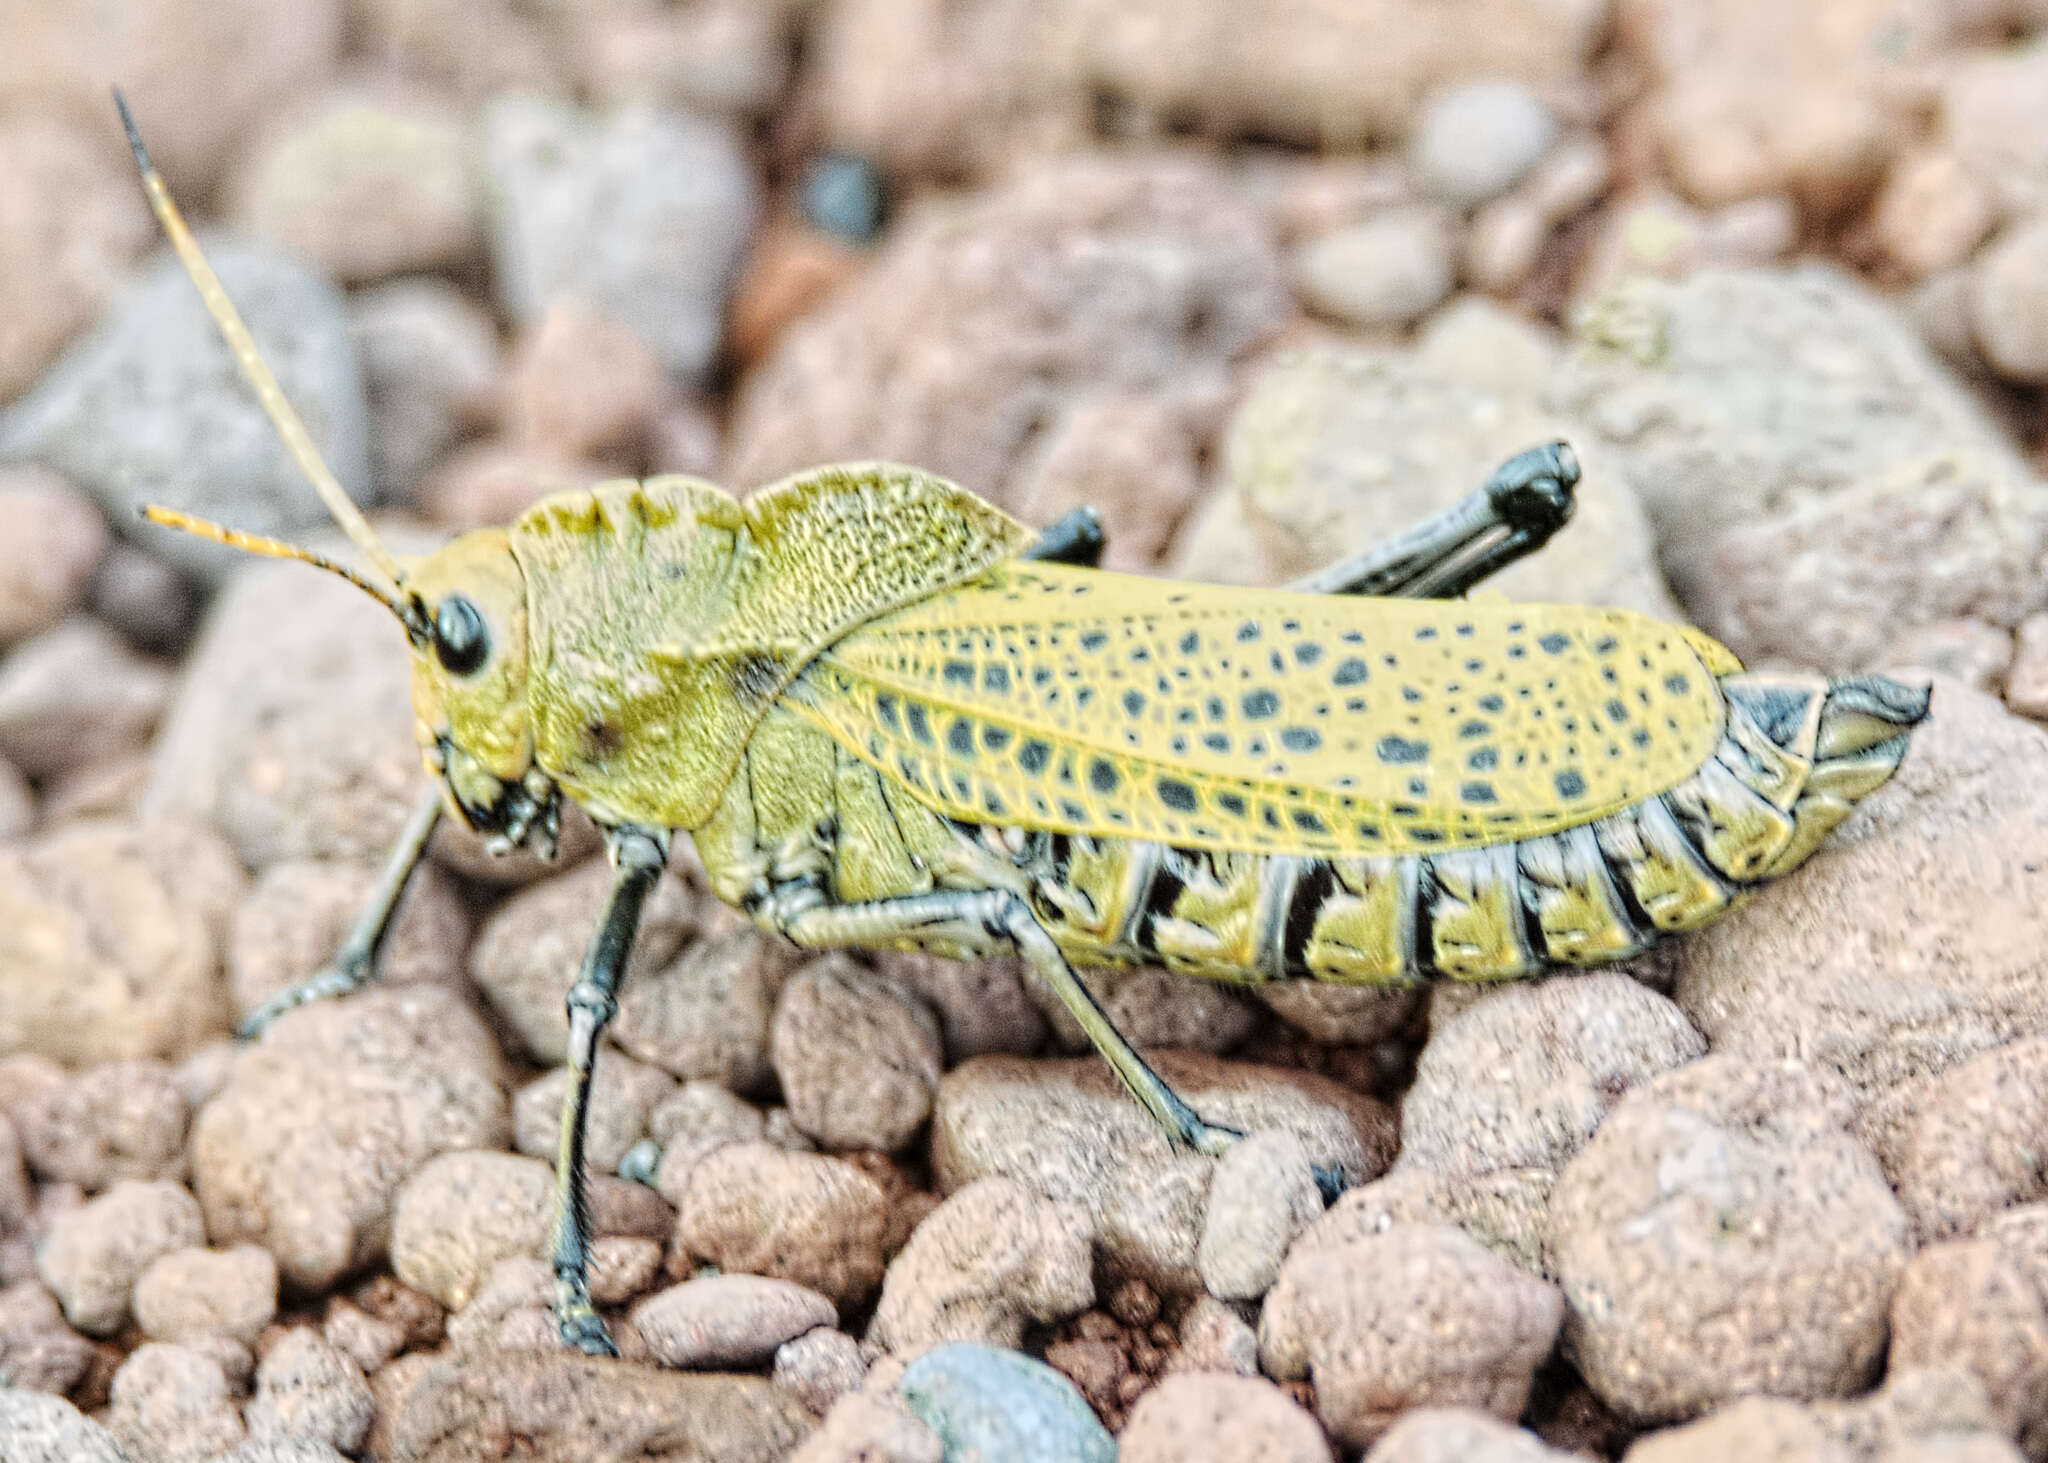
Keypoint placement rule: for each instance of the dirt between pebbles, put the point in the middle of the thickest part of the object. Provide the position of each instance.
(1263, 281)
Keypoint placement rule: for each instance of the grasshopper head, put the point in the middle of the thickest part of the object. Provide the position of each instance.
(469, 682)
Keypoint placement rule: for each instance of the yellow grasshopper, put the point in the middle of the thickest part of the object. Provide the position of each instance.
(890, 716)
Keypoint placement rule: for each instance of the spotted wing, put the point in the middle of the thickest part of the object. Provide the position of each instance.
(1041, 696)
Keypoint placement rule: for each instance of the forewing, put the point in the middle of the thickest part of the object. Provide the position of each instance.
(1082, 702)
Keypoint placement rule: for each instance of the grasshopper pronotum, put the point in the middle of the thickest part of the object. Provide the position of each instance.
(889, 715)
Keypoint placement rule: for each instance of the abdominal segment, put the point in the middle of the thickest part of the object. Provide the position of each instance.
(1796, 755)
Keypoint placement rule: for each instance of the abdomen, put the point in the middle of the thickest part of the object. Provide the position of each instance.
(1796, 755)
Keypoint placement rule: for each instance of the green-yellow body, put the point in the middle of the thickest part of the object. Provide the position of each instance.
(852, 681)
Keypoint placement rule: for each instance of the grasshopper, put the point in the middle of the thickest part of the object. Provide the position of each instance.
(890, 716)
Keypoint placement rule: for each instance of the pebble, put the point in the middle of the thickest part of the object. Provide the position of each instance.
(1340, 1015)
(1524, 1077)
(1957, 1146)
(1505, 1209)
(641, 213)
(489, 483)
(622, 1093)
(305, 1388)
(706, 1015)
(858, 1058)
(696, 1119)
(1189, 1418)
(843, 194)
(527, 953)
(1720, 1234)
(865, 1427)
(583, 386)
(74, 695)
(1420, 1315)
(1263, 1196)
(463, 1212)
(38, 1352)
(819, 1367)
(1964, 650)
(431, 375)
(755, 1209)
(148, 407)
(790, 271)
(172, 1404)
(1992, 114)
(40, 1428)
(1155, 1007)
(364, 182)
(72, 224)
(564, 1407)
(303, 1151)
(2026, 679)
(1932, 212)
(298, 911)
(989, 1261)
(1475, 141)
(1130, 456)
(368, 1341)
(2008, 296)
(196, 1292)
(112, 1121)
(282, 1450)
(1385, 273)
(1460, 1435)
(52, 539)
(1971, 1303)
(982, 1005)
(725, 1322)
(93, 1255)
(987, 1404)
(1067, 1131)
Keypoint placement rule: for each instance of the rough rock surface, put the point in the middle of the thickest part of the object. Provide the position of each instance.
(799, 1217)
(94, 1254)
(858, 1057)
(727, 1322)
(1190, 1417)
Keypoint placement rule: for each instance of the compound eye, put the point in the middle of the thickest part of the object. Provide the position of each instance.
(460, 641)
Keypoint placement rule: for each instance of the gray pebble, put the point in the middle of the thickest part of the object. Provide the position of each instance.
(994, 1406)
(1474, 142)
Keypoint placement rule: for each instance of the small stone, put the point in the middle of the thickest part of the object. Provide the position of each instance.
(17, 1195)
(93, 1255)
(113, 1121)
(1189, 1418)
(843, 195)
(791, 271)
(1475, 141)
(52, 538)
(707, 1014)
(527, 953)
(38, 1352)
(40, 1428)
(1263, 1196)
(1154, 1007)
(282, 1450)
(565, 1408)
(1965, 650)
(511, 1308)
(2008, 298)
(687, 439)
(197, 1292)
(622, 1093)
(993, 1258)
(1970, 1303)
(1505, 1209)
(365, 182)
(152, 603)
(695, 1119)
(461, 1213)
(489, 483)
(1215, 1338)
(643, 214)
(1067, 1131)
(1459, 1435)
(866, 1427)
(1960, 1147)
(172, 1404)
(297, 913)
(368, 1341)
(1931, 213)
(304, 1149)
(728, 1321)
(1387, 272)
(985, 1403)
(75, 695)
(431, 373)
(306, 1388)
(68, 238)
(149, 408)
(583, 386)
(858, 1059)
(1523, 1078)
(819, 1367)
(754, 1209)
(1418, 1316)
(1721, 1233)
(2026, 679)
(1992, 115)
(1340, 1015)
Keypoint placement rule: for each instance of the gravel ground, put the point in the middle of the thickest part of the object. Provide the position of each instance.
(1263, 281)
